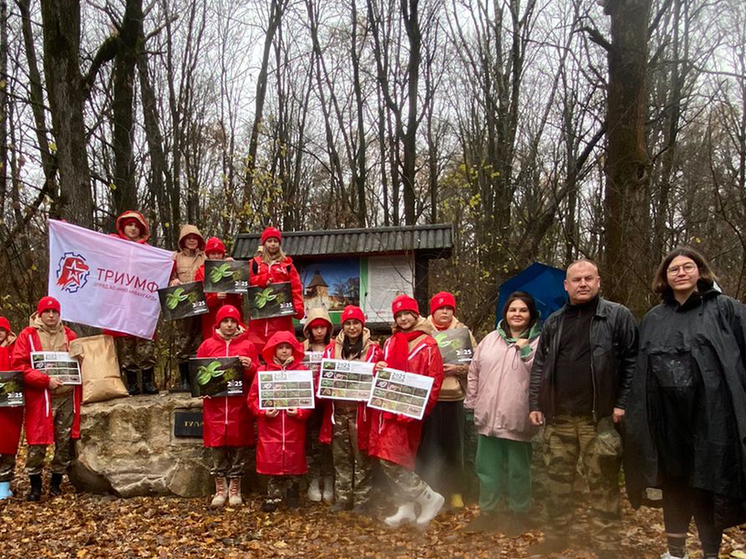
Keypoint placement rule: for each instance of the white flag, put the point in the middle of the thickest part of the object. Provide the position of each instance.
(104, 281)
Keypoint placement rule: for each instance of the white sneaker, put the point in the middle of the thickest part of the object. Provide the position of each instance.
(430, 504)
(234, 493)
(314, 492)
(404, 515)
(667, 555)
(328, 494)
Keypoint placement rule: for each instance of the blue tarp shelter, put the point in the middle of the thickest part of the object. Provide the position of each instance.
(544, 283)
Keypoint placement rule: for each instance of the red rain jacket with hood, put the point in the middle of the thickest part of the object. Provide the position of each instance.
(262, 274)
(227, 420)
(39, 420)
(395, 437)
(11, 419)
(281, 444)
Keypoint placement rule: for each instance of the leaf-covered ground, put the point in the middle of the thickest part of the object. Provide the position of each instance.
(81, 525)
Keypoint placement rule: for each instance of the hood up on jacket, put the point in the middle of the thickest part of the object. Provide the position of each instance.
(137, 216)
(318, 313)
(268, 353)
(190, 230)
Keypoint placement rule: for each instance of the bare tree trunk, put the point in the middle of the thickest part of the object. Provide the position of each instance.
(627, 163)
(3, 105)
(130, 34)
(410, 14)
(359, 167)
(61, 25)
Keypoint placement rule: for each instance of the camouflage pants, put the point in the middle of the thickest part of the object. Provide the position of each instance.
(7, 465)
(352, 468)
(318, 455)
(63, 415)
(228, 461)
(277, 485)
(187, 337)
(135, 354)
(409, 485)
(569, 439)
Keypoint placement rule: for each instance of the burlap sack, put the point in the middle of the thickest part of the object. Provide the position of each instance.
(99, 367)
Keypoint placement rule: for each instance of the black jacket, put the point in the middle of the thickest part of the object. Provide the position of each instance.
(703, 340)
(613, 340)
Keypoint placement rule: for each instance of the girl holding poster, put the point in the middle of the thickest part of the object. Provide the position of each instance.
(52, 409)
(348, 422)
(281, 448)
(10, 418)
(228, 426)
(394, 437)
(215, 250)
(269, 266)
(135, 355)
(318, 332)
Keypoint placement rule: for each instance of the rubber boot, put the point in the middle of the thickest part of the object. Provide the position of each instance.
(34, 493)
(132, 386)
(5, 492)
(404, 515)
(220, 494)
(328, 494)
(430, 504)
(54, 485)
(293, 496)
(314, 491)
(234, 492)
(148, 386)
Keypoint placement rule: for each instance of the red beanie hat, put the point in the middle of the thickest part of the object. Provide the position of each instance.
(442, 299)
(352, 312)
(318, 322)
(5, 324)
(405, 303)
(214, 244)
(227, 311)
(46, 303)
(270, 232)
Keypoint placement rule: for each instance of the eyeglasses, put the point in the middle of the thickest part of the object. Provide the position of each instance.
(688, 268)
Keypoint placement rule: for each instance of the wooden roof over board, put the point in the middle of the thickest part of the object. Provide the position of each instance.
(435, 239)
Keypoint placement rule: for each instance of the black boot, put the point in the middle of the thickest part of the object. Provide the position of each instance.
(148, 386)
(132, 386)
(183, 385)
(54, 485)
(35, 493)
(293, 496)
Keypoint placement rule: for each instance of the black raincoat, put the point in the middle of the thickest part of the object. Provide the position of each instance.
(686, 415)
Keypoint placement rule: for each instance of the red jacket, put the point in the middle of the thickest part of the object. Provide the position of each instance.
(395, 437)
(214, 304)
(281, 445)
(262, 274)
(227, 420)
(372, 354)
(11, 419)
(39, 421)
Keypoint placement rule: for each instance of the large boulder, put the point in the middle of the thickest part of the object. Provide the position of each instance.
(128, 448)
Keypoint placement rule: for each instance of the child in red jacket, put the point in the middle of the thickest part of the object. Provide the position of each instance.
(281, 448)
(215, 250)
(228, 426)
(394, 437)
(52, 409)
(270, 265)
(11, 419)
(348, 421)
(135, 355)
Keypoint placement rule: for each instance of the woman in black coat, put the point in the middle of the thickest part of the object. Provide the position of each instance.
(686, 418)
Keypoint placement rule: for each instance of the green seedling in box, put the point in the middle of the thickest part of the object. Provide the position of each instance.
(177, 296)
(221, 272)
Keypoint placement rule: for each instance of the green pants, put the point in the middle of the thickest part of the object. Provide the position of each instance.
(352, 468)
(63, 413)
(504, 469)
